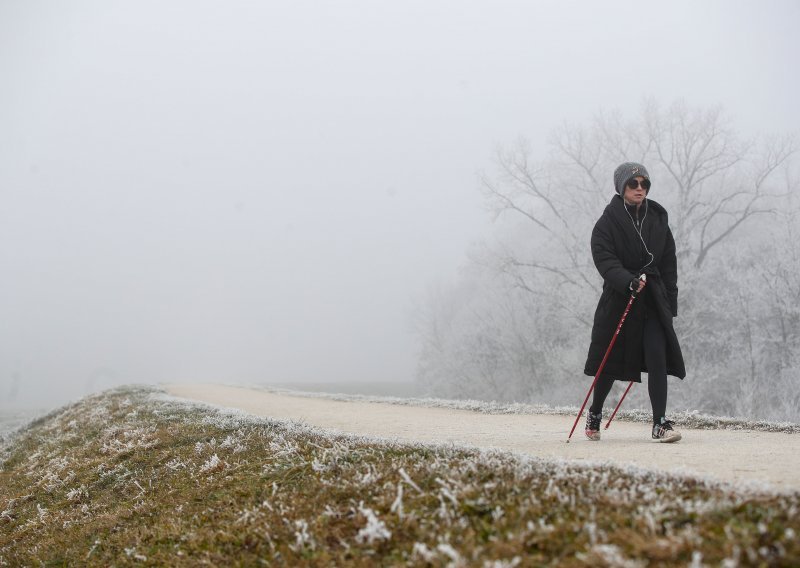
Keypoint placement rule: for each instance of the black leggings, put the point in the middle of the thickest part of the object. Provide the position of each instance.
(654, 344)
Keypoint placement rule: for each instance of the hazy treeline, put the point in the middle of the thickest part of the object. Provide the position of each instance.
(516, 325)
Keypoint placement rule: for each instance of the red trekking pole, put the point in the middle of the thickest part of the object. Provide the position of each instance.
(643, 278)
(613, 414)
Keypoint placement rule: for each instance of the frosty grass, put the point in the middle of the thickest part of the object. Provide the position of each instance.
(133, 477)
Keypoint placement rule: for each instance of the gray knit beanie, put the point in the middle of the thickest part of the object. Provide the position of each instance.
(626, 171)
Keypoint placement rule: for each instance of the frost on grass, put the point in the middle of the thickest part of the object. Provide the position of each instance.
(610, 555)
(375, 529)
(185, 484)
(212, 464)
(302, 538)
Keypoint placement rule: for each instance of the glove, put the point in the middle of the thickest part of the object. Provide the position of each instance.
(634, 285)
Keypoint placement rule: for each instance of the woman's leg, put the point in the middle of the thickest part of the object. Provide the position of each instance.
(601, 390)
(655, 357)
(595, 415)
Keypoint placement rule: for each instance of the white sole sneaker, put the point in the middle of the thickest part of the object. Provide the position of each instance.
(593, 435)
(664, 433)
(670, 436)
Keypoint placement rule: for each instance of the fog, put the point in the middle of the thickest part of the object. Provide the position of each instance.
(261, 192)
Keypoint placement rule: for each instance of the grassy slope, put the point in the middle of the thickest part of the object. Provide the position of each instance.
(130, 477)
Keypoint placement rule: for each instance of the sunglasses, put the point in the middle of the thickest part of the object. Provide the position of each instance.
(634, 183)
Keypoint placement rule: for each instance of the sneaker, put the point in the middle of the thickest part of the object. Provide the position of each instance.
(593, 425)
(664, 432)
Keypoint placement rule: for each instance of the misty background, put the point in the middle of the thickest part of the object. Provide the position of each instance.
(267, 192)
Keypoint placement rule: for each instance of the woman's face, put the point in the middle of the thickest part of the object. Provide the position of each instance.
(635, 196)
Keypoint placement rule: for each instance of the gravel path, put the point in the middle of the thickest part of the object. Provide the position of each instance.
(740, 457)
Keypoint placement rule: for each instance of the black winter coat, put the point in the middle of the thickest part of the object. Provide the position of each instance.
(620, 256)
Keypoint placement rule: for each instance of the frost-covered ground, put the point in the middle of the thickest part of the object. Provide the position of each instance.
(735, 454)
(134, 477)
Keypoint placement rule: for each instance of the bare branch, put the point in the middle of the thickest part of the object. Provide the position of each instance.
(508, 204)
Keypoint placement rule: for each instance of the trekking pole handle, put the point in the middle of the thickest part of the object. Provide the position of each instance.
(643, 278)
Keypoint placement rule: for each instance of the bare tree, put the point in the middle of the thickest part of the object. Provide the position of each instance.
(716, 186)
(702, 155)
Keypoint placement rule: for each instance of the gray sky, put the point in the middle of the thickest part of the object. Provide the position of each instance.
(262, 191)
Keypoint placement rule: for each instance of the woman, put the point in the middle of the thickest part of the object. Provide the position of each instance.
(630, 239)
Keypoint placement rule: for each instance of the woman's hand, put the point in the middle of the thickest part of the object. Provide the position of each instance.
(636, 285)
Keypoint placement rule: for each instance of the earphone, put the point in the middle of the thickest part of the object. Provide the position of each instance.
(639, 230)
